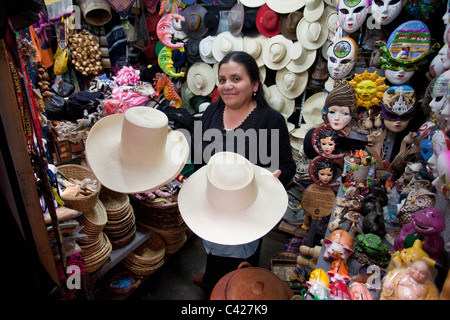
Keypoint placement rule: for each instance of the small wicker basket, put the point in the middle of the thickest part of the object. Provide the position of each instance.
(74, 171)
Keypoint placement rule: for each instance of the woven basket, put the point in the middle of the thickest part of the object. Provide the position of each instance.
(74, 171)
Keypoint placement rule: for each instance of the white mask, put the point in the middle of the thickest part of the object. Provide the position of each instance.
(385, 11)
(352, 14)
(438, 94)
(341, 58)
(398, 77)
(440, 144)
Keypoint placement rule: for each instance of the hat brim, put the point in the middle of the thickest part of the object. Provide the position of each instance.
(314, 14)
(302, 29)
(209, 60)
(305, 62)
(314, 103)
(262, 40)
(205, 70)
(236, 41)
(232, 228)
(202, 30)
(102, 155)
(293, 93)
(285, 6)
(266, 52)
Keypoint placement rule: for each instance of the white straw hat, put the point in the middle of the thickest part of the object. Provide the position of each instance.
(205, 49)
(200, 79)
(275, 52)
(224, 43)
(301, 58)
(312, 109)
(253, 3)
(254, 46)
(291, 84)
(231, 201)
(285, 6)
(312, 34)
(134, 152)
(313, 9)
(279, 102)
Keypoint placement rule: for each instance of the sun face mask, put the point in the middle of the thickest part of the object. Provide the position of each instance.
(385, 11)
(341, 58)
(352, 14)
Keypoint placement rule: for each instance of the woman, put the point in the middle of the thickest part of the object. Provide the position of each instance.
(250, 127)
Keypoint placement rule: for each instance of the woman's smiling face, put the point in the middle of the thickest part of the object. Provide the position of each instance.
(235, 86)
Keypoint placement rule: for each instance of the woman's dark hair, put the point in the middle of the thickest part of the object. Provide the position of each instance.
(252, 69)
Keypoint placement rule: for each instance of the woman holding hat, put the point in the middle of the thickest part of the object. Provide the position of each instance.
(241, 107)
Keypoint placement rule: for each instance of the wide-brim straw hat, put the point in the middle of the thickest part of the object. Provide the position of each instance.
(254, 46)
(312, 109)
(291, 84)
(200, 79)
(285, 6)
(236, 19)
(205, 48)
(301, 58)
(253, 3)
(231, 201)
(312, 35)
(300, 133)
(279, 102)
(134, 152)
(224, 43)
(193, 24)
(288, 24)
(267, 21)
(276, 52)
(313, 9)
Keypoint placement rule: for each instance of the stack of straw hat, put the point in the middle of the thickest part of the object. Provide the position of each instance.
(148, 257)
(163, 218)
(96, 247)
(120, 226)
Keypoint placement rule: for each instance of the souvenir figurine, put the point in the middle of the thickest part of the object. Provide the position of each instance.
(413, 282)
(359, 291)
(341, 58)
(398, 107)
(339, 245)
(164, 30)
(440, 141)
(442, 182)
(323, 171)
(318, 285)
(373, 222)
(326, 141)
(426, 224)
(405, 52)
(339, 271)
(369, 89)
(166, 63)
(385, 11)
(407, 255)
(351, 214)
(370, 247)
(164, 84)
(339, 105)
(352, 14)
(339, 291)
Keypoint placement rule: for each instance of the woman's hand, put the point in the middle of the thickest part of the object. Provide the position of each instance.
(277, 173)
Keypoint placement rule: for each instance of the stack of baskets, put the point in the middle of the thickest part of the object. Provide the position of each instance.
(120, 226)
(96, 247)
(147, 258)
(163, 218)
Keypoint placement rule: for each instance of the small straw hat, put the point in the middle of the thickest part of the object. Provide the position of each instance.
(291, 84)
(200, 79)
(275, 52)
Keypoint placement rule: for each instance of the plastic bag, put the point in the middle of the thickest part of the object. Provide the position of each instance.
(61, 57)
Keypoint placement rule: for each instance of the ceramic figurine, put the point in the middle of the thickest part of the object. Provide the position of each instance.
(359, 291)
(351, 214)
(338, 245)
(352, 14)
(373, 247)
(385, 11)
(398, 107)
(341, 58)
(413, 282)
(407, 255)
(339, 291)
(427, 224)
(339, 271)
(339, 105)
(318, 285)
(163, 83)
(373, 222)
(164, 30)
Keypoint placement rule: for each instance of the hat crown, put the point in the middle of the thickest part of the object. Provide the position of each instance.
(312, 4)
(254, 48)
(277, 51)
(289, 81)
(296, 51)
(198, 81)
(292, 20)
(314, 30)
(271, 20)
(144, 135)
(230, 182)
(193, 21)
(235, 19)
(225, 45)
(206, 47)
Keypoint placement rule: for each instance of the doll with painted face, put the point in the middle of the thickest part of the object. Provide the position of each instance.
(352, 14)
(398, 107)
(327, 141)
(341, 57)
(339, 105)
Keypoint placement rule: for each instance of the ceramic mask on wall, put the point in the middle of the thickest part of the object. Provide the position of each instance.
(439, 101)
(352, 14)
(385, 11)
(341, 58)
(441, 143)
(397, 107)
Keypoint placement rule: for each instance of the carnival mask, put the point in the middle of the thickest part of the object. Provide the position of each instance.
(438, 94)
(441, 143)
(397, 107)
(352, 14)
(341, 58)
(385, 11)
(398, 77)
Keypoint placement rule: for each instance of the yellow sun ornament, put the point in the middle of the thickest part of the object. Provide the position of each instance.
(369, 88)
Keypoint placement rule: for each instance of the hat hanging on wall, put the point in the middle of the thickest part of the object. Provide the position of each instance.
(226, 3)
(253, 3)
(200, 79)
(236, 19)
(224, 43)
(285, 6)
(313, 9)
(288, 24)
(249, 27)
(267, 21)
(193, 21)
(177, 30)
(312, 109)
(291, 84)
(192, 50)
(205, 49)
(134, 152)
(231, 201)
(275, 52)
(254, 46)
(312, 35)
(188, 2)
(211, 19)
(279, 102)
(301, 59)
